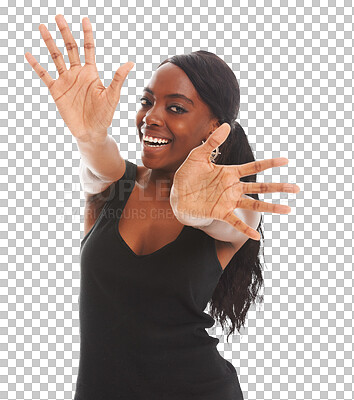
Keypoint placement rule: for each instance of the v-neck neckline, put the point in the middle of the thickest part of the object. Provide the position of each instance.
(125, 244)
(161, 249)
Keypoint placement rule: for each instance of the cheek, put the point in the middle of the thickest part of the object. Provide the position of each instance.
(187, 142)
(139, 116)
(138, 122)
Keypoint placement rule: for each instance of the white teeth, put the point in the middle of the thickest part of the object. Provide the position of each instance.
(155, 140)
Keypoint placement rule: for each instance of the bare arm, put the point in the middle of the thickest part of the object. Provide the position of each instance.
(100, 165)
(86, 106)
(225, 232)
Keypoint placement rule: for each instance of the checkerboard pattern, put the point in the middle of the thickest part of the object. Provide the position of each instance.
(294, 63)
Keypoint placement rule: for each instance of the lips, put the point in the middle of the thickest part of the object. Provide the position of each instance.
(153, 149)
(154, 134)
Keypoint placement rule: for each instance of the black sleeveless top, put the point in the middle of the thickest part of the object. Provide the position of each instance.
(142, 325)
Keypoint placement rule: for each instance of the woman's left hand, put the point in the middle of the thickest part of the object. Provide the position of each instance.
(204, 190)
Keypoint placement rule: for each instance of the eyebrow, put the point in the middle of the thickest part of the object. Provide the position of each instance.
(174, 95)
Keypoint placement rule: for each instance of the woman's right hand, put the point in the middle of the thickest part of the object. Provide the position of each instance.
(86, 106)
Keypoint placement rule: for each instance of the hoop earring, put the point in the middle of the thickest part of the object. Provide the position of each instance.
(213, 154)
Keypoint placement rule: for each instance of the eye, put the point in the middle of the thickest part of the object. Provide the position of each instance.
(180, 109)
(143, 98)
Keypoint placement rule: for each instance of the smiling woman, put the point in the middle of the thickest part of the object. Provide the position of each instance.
(146, 278)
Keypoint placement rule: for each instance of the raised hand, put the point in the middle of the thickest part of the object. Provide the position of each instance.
(207, 191)
(86, 106)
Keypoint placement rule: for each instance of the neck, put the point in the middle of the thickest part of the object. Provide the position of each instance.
(158, 183)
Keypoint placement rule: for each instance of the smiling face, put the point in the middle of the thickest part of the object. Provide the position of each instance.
(185, 121)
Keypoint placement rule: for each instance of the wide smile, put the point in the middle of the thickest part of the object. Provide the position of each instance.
(154, 146)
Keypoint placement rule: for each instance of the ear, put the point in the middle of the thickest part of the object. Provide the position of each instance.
(213, 125)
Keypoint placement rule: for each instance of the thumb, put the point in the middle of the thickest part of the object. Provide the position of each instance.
(217, 138)
(113, 90)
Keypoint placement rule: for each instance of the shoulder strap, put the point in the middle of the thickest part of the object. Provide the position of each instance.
(121, 189)
(111, 196)
(130, 171)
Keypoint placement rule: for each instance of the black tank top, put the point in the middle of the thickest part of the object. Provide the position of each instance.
(142, 324)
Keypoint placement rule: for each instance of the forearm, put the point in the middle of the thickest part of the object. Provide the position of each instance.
(90, 183)
(102, 158)
(221, 230)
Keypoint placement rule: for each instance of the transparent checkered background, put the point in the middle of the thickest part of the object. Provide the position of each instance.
(294, 63)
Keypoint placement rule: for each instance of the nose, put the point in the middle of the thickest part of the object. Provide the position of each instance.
(152, 117)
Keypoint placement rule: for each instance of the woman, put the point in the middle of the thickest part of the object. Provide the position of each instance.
(162, 239)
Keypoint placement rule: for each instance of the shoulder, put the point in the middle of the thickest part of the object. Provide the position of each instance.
(141, 170)
(225, 251)
(93, 207)
(95, 202)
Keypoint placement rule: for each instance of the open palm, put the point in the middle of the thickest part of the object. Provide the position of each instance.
(86, 106)
(206, 191)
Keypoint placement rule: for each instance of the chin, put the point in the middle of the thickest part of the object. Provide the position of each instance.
(150, 163)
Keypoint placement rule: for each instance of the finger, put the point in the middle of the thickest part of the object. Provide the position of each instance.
(53, 49)
(263, 187)
(261, 206)
(257, 166)
(238, 224)
(89, 44)
(69, 41)
(216, 139)
(40, 71)
(113, 90)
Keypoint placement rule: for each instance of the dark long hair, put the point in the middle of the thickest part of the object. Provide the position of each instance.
(242, 278)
